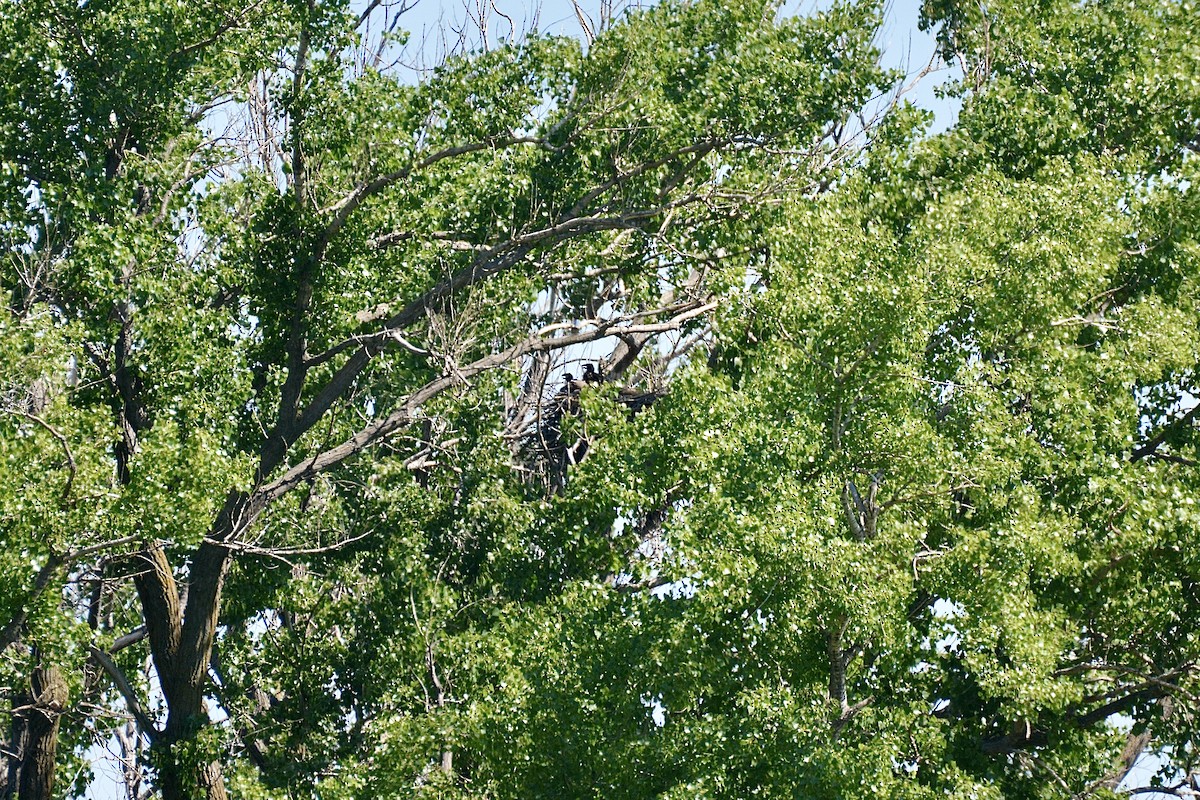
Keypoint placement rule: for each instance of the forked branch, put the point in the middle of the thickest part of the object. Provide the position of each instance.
(409, 410)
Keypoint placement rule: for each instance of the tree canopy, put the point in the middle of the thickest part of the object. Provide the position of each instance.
(667, 411)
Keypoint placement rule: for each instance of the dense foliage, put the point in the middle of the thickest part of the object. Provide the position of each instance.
(887, 484)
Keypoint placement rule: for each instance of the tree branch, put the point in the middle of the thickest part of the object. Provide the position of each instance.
(12, 630)
(1151, 447)
(230, 22)
(199, 622)
(305, 264)
(1135, 745)
(408, 410)
(159, 597)
(62, 441)
(1022, 735)
(123, 686)
(344, 208)
(487, 265)
(1101, 713)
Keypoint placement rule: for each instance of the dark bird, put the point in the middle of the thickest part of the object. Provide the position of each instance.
(571, 385)
(590, 375)
(567, 398)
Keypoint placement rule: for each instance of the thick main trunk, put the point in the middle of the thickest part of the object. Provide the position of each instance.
(50, 697)
(27, 771)
(181, 640)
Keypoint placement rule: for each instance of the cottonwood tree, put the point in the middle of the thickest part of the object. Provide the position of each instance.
(257, 280)
(920, 522)
(889, 486)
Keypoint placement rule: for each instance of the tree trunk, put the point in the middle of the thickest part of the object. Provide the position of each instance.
(184, 780)
(181, 638)
(50, 697)
(211, 781)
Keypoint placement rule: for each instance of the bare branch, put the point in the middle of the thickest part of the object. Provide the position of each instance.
(133, 637)
(1117, 705)
(282, 553)
(75, 555)
(1135, 745)
(409, 410)
(122, 683)
(366, 12)
(454, 242)
(497, 260)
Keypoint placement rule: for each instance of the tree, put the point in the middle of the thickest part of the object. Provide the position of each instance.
(888, 481)
(245, 322)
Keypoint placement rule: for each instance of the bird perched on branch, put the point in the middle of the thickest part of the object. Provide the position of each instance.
(590, 375)
(567, 398)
